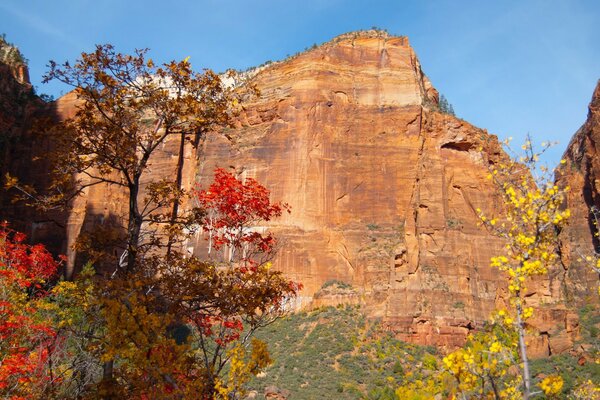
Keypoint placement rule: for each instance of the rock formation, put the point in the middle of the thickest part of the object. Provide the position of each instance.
(21, 142)
(582, 173)
(17, 102)
(383, 189)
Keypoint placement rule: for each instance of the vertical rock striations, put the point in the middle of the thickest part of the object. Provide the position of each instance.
(383, 190)
(22, 142)
(582, 173)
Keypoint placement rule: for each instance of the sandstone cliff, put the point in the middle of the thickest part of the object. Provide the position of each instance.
(582, 173)
(16, 101)
(383, 190)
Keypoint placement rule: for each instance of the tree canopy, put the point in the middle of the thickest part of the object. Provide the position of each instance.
(152, 321)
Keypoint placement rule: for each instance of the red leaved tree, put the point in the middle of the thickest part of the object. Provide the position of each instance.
(26, 340)
(224, 304)
(198, 314)
(234, 212)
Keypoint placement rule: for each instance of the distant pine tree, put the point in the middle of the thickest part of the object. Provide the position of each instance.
(445, 106)
(451, 110)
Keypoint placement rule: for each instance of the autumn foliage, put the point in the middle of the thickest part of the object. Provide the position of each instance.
(198, 314)
(152, 321)
(184, 332)
(234, 208)
(26, 339)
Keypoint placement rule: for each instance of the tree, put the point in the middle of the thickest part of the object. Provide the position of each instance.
(233, 209)
(128, 108)
(445, 107)
(172, 321)
(533, 216)
(185, 330)
(494, 362)
(26, 339)
(211, 309)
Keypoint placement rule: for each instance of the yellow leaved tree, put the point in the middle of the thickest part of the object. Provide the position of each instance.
(532, 218)
(494, 363)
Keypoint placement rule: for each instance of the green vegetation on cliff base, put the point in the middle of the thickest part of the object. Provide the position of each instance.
(336, 353)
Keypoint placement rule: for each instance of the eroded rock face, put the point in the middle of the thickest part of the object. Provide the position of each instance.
(105, 205)
(383, 190)
(582, 173)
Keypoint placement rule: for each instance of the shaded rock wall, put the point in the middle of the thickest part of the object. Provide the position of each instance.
(23, 150)
(582, 173)
(107, 205)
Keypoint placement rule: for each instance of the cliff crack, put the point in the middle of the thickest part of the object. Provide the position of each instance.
(357, 186)
(415, 120)
(411, 226)
(345, 257)
(458, 146)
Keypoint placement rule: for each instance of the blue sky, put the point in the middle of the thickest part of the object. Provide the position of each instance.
(512, 67)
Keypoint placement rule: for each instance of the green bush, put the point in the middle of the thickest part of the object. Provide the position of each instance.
(337, 283)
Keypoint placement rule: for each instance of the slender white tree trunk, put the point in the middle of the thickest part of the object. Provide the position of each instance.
(523, 350)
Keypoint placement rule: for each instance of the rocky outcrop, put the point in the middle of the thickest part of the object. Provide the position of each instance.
(581, 173)
(274, 393)
(17, 100)
(334, 293)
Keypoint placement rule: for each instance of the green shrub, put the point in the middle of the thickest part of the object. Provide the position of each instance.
(337, 283)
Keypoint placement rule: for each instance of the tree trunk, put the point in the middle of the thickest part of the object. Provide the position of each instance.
(178, 180)
(106, 385)
(134, 225)
(523, 350)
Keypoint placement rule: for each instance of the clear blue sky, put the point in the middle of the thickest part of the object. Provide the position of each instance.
(512, 67)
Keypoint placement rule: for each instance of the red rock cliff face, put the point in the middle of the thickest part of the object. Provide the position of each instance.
(383, 189)
(582, 173)
(107, 205)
